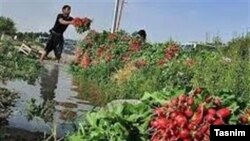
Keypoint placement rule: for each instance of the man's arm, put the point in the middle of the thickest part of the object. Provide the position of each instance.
(65, 22)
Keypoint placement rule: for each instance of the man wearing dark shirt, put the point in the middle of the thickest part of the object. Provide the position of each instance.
(56, 39)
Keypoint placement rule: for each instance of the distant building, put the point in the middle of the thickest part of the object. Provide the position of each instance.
(193, 45)
(188, 46)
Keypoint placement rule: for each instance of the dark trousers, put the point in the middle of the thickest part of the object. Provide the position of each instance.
(55, 43)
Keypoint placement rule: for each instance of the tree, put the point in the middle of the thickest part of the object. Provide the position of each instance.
(7, 26)
(20, 35)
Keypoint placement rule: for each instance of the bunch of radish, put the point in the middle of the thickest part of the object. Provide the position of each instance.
(171, 52)
(82, 24)
(78, 55)
(135, 45)
(99, 51)
(188, 118)
(85, 63)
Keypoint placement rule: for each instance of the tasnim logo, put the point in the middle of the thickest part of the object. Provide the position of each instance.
(236, 133)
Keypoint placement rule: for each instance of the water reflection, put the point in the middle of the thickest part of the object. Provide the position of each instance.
(46, 110)
(50, 100)
(49, 84)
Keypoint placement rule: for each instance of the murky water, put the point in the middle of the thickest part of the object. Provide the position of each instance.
(54, 93)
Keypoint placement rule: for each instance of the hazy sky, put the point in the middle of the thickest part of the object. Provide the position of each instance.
(184, 20)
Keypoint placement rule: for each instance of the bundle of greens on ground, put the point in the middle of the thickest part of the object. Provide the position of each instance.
(123, 122)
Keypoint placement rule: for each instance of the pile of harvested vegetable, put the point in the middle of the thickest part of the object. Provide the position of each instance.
(167, 115)
(188, 117)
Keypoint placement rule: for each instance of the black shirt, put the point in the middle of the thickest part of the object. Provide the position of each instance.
(58, 27)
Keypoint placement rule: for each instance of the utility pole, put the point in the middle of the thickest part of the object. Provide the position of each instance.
(120, 15)
(115, 16)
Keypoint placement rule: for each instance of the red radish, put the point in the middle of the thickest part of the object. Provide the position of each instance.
(208, 132)
(181, 120)
(218, 122)
(206, 138)
(191, 126)
(188, 112)
(173, 138)
(184, 133)
(155, 139)
(198, 135)
(162, 123)
(168, 56)
(187, 139)
(176, 132)
(171, 126)
(210, 118)
(224, 113)
(174, 102)
(182, 108)
(182, 98)
(203, 129)
(243, 119)
(190, 101)
(211, 111)
(154, 123)
(173, 115)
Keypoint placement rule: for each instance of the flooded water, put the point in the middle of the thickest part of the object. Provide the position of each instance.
(52, 99)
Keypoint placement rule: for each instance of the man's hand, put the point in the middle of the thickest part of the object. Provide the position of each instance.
(72, 22)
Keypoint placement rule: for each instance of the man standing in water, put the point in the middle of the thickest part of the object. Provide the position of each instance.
(56, 39)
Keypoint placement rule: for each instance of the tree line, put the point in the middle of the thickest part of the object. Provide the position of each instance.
(8, 27)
